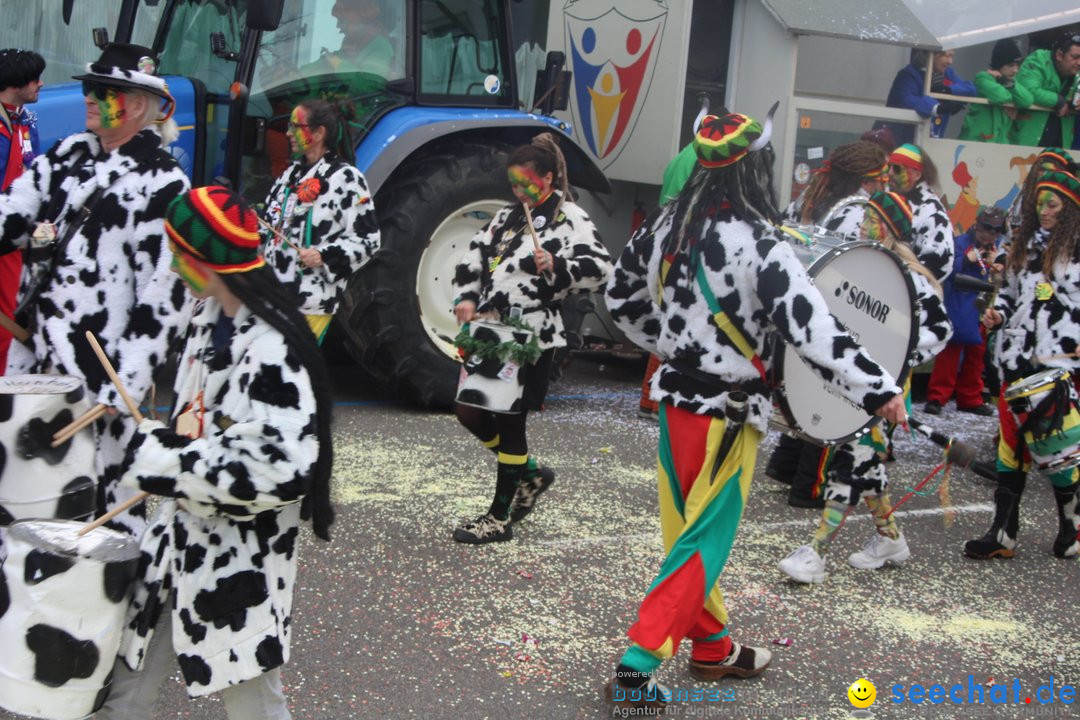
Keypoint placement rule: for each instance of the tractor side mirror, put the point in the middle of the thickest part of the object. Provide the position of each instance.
(264, 15)
(552, 85)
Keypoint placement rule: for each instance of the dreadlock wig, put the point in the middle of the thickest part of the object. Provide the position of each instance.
(842, 175)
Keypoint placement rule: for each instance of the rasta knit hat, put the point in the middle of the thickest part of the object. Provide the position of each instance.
(724, 141)
(1005, 52)
(1062, 183)
(1058, 157)
(894, 212)
(215, 226)
(907, 155)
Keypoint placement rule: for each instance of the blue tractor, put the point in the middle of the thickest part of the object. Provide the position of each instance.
(436, 107)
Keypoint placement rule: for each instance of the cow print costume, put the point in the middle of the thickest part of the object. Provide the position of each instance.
(339, 222)
(581, 263)
(931, 231)
(113, 279)
(754, 272)
(225, 539)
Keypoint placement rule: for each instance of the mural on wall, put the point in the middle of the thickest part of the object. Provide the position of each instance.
(982, 174)
(612, 49)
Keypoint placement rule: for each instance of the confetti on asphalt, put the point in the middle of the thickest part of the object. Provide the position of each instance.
(786, 642)
(525, 574)
(605, 450)
(522, 657)
(507, 643)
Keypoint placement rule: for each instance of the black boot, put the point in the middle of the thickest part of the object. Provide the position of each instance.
(805, 492)
(1000, 540)
(1067, 544)
(533, 482)
(784, 459)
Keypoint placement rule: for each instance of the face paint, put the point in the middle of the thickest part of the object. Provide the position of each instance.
(112, 106)
(526, 184)
(1048, 206)
(194, 276)
(301, 131)
(900, 177)
(873, 227)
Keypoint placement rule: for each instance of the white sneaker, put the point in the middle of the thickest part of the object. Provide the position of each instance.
(880, 550)
(804, 565)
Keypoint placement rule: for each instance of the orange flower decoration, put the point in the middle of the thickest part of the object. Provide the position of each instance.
(309, 190)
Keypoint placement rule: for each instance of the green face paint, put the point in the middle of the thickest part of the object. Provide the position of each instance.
(872, 227)
(1048, 206)
(301, 130)
(526, 184)
(112, 107)
(901, 178)
(195, 277)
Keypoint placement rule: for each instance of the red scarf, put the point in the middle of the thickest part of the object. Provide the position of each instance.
(12, 129)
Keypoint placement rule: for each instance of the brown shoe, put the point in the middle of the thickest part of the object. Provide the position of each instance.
(744, 661)
(650, 697)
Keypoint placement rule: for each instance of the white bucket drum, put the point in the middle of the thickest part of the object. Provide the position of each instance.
(63, 602)
(491, 383)
(1053, 446)
(37, 480)
(869, 291)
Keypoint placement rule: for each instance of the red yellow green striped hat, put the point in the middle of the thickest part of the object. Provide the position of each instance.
(1062, 183)
(894, 211)
(1058, 157)
(907, 155)
(214, 225)
(724, 141)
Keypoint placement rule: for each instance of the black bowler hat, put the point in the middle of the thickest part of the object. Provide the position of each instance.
(127, 66)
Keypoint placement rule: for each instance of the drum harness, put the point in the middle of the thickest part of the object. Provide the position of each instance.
(736, 406)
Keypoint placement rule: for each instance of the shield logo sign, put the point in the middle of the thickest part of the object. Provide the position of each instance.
(612, 49)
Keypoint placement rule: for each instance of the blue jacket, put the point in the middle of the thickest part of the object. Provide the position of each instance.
(907, 92)
(960, 304)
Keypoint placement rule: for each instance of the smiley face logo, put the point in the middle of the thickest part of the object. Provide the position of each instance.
(862, 693)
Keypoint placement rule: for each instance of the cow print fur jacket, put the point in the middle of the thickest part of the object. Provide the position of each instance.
(113, 279)
(224, 540)
(931, 231)
(756, 277)
(581, 264)
(1033, 328)
(339, 222)
(114, 276)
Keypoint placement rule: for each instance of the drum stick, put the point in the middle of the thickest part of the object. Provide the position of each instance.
(532, 231)
(17, 331)
(113, 513)
(278, 235)
(131, 406)
(957, 452)
(68, 431)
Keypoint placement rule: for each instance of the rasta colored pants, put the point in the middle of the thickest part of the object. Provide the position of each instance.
(699, 514)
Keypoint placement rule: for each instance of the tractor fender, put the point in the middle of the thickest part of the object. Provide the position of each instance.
(400, 133)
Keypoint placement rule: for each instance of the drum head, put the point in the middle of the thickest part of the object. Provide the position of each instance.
(870, 292)
(1033, 382)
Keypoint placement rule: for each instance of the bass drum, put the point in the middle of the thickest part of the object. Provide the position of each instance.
(868, 289)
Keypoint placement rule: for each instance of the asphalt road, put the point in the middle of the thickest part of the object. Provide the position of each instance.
(394, 620)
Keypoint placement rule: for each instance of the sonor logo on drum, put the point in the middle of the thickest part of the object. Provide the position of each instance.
(864, 301)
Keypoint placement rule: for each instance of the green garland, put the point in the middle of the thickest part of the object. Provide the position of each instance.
(520, 353)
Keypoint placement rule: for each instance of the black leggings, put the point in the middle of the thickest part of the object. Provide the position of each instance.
(485, 425)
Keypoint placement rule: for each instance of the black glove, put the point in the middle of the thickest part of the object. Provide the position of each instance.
(950, 107)
(937, 83)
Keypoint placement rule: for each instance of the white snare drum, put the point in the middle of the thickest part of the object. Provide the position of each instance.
(62, 616)
(1052, 449)
(491, 383)
(37, 480)
(867, 289)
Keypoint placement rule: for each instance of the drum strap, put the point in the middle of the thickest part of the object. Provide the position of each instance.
(727, 324)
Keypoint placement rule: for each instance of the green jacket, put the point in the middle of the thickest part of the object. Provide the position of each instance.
(987, 123)
(1039, 75)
